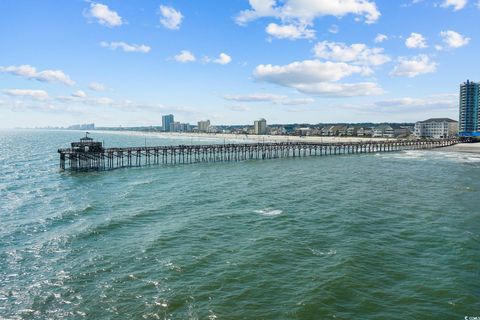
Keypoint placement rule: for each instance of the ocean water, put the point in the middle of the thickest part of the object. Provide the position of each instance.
(380, 236)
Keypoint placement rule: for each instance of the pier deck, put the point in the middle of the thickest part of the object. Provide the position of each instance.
(89, 155)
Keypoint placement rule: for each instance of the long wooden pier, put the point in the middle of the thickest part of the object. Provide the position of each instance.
(88, 155)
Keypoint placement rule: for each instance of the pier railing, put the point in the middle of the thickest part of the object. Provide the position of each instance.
(112, 158)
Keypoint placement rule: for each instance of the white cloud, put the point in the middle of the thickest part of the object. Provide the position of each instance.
(409, 108)
(239, 108)
(317, 77)
(30, 72)
(104, 15)
(454, 39)
(416, 40)
(223, 59)
(444, 100)
(104, 101)
(380, 38)
(413, 67)
(357, 53)
(170, 18)
(290, 31)
(341, 89)
(311, 71)
(185, 56)
(298, 101)
(96, 86)
(34, 94)
(125, 46)
(456, 4)
(79, 94)
(268, 97)
(305, 11)
(256, 97)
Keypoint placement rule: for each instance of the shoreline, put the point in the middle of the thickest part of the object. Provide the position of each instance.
(243, 137)
(473, 148)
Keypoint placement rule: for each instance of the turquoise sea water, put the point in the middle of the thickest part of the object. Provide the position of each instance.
(385, 236)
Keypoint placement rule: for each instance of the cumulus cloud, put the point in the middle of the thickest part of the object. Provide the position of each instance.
(305, 71)
(380, 38)
(34, 94)
(79, 94)
(104, 15)
(125, 46)
(223, 59)
(30, 72)
(305, 12)
(170, 18)
(357, 54)
(96, 86)
(453, 39)
(185, 56)
(317, 77)
(290, 31)
(413, 67)
(416, 40)
(456, 4)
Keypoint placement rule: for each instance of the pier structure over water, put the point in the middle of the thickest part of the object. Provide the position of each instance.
(88, 155)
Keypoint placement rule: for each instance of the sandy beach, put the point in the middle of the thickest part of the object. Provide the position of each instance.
(238, 138)
(464, 147)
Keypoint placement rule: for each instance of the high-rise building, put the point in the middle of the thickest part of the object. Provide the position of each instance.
(260, 127)
(469, 109)
(167, 121)
(203, 126)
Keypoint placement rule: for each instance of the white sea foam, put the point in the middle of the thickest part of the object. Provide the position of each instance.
(319, 253)
(269, 212)
(423, 155)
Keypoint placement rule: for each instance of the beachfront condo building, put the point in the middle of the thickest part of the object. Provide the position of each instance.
(469, 117)
(167, 122)
(260, 127)
(203, 126)
(437, 128)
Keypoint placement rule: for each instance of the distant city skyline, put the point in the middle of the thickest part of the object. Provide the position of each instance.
(129, 63)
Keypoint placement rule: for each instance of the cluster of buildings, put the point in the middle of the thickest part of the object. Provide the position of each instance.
(468, 125)
(170, 125)
(431, 128)
(345, 130)
(469, 117)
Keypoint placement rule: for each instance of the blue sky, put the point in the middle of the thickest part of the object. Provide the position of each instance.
(128, 62)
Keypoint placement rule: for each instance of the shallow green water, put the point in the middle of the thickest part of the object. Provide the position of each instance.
(386, 236)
